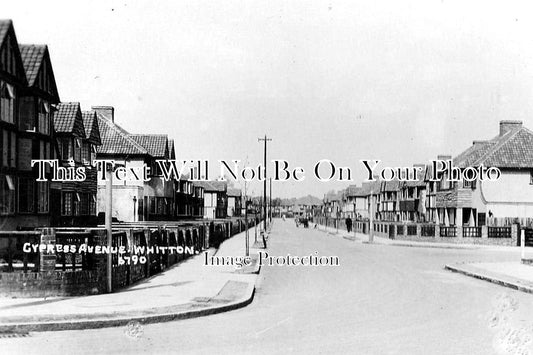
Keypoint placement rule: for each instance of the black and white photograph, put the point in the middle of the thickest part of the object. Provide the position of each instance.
(266, 177)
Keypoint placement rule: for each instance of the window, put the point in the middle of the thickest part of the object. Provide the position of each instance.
(84, 204)
(140, 209)
(26, 199)
(7, 195)
(5, 148)
(77, 204)
(481, 219)
(152, 205)
(160, 205)
(66, 204)
(469, 184)
(7, 102)
(42, 196)
(86, 153)
(44, 117)
(77, 150)
(13, 151)
(27, 114)
(92, 204)
(66, 149)
(92, 153)
(444, 183)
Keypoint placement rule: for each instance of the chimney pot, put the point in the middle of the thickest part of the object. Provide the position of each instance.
(106, 111)
(506, 126)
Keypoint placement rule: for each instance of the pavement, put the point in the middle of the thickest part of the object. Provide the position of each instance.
(509, 274)
(515, 274)
(186, 290)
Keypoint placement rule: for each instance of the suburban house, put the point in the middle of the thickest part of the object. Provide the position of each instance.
(133, 198)
(215, 198)
(363, 196)
(197, 202)
(27, 93)
(234, 202)
(356, 205)
(388, 206)
(332, 204)
(308, 205)
(430, 196)
(189, 199)
(479, 203)
(412, 197)
(349, 196)
(285, 208)
(78, 198)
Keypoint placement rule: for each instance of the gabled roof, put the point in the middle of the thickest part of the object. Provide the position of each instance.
(155, 144)
(68, 119)
(420, 178)
(372, 187)
(36, 60)
(5, 25)
(115, 140)
(92, 130)
(308, 200)
(473, 153)
(210, 186)
(352, 190)
(390, 186)
(8, 31)
(333, 196)
(234, 192)
(513, 149)
(32, 57)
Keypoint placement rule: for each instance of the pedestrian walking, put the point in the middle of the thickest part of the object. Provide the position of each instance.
(349, 224)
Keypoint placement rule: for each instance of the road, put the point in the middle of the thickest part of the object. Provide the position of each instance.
(380, 300)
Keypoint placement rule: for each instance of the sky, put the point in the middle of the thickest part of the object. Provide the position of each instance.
(397, 81)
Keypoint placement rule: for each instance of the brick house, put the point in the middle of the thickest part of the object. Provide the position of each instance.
(133, 198)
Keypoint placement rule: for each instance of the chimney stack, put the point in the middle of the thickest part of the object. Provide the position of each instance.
(479, 142)
(506, 126)
(444, 157)
(106, 111)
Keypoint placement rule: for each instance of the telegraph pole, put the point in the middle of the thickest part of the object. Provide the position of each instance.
(109, 223)
(266, 139)
(371, 219)
(270, 202)
(246, 234)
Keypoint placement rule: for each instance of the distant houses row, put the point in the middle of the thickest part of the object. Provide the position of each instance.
(35, 124)
(443, 202)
